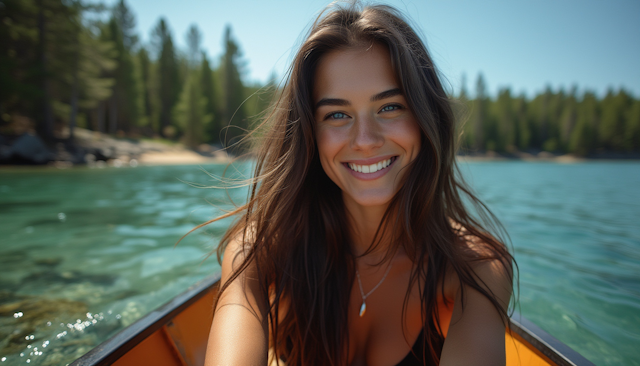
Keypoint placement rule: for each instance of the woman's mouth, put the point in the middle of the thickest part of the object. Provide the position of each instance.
(372, 168)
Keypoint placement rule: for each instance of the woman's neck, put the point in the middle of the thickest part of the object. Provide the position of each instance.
(364, 221)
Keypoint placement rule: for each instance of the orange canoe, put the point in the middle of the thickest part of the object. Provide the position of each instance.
(176, 334)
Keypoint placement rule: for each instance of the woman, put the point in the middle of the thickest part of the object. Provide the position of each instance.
(355, 247)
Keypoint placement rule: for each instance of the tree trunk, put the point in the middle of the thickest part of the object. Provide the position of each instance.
(74, 104)
(101, 112)
(45, 127)
(113, 116)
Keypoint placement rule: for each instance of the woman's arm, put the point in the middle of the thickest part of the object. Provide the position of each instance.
(476, 334)
(239, 332)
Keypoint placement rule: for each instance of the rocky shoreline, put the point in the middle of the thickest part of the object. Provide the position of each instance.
(95, 149)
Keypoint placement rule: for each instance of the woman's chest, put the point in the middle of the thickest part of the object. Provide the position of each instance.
(390, 326)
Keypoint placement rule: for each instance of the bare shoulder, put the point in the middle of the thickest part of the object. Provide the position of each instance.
(238, 333)
(482, 294)
(236, 252)
(490, 264)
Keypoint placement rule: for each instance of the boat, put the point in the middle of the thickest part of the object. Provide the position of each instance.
(176, 334)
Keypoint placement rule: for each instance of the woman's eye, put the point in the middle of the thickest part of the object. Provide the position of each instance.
(336, 115)
(391, 107)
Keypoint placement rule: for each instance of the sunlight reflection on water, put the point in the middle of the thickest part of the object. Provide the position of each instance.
(86, 252)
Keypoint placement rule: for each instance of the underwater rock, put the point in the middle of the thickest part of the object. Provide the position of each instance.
(68, 277)
(23, 316)
(48, 262)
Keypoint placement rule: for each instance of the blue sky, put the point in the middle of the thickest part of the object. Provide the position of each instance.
(523, 44)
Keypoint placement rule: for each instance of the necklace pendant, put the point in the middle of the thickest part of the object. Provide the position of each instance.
(363, 309)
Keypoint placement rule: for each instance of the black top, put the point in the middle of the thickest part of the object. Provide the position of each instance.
(414, 357)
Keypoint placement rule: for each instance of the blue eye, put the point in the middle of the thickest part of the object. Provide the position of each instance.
(336, 115)
(390, 107)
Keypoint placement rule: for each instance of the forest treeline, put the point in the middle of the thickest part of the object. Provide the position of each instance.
(554, 121)
(71, 63)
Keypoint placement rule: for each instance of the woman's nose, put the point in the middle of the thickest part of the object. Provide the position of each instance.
(366, 134)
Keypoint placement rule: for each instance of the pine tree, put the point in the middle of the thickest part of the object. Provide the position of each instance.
(479, 114)
(212, 128)
(632, 128)
(583, 138)
(568, 118)
(144, 73)
(190, 111)
(505, 131)
(168, 78)
(234, 116)
(612, 126)
(523, 128)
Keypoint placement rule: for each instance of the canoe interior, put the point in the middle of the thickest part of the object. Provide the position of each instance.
(176, 335)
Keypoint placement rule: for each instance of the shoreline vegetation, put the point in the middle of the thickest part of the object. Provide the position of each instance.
(98, 150)
(80, 87)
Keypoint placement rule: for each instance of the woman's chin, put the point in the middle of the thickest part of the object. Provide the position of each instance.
(369, 199)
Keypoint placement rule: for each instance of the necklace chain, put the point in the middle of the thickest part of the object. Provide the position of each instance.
(364, 297)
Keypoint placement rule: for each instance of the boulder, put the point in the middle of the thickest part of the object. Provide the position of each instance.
(31, 149)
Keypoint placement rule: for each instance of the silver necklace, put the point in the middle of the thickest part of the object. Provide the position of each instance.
(363, 307)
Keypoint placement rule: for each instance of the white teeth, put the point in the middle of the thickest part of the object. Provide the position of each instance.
(370, 168)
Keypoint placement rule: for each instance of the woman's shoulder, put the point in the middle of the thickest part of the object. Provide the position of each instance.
(487, 259)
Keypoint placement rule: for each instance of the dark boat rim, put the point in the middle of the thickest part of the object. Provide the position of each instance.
(125, 340)
(545, 343)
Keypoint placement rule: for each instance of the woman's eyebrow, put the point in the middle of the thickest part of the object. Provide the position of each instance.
(386, 94)
(343, 102)
(332, 101)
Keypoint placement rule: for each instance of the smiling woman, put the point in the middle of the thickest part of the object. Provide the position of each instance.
(355, 247)
(366, 134)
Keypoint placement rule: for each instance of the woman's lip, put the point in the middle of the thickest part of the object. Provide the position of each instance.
(371, 176)
(369, 161)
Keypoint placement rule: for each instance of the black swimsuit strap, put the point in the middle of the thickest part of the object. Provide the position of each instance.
(414, 357)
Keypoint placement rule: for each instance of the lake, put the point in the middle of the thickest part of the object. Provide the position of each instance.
(85, 252)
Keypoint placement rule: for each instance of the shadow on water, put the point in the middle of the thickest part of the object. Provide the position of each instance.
(21, 205)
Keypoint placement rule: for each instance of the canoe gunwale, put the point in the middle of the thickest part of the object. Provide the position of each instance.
(128, 338)
(125, 340)
(545, 343)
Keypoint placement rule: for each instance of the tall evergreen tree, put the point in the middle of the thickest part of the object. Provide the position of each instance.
(194, 39)
(212, 128)
(568, 118)
(612, 125)
(632, 128)
(479, 114)
(93, 59)
(583, 136)
(506, 128)
(127, 22)
(190, 111)
(144, 73)
(168, 78)
(234, 116)
(523, 128)
(123, 107)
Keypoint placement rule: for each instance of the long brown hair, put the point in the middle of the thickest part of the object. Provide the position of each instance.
(294, 222)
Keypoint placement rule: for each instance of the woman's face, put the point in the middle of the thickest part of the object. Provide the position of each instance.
(366, 134)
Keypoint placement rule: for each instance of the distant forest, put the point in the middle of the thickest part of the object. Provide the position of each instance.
(71, 63)
(557, 122)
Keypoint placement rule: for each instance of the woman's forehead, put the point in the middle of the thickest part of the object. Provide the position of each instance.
(358, 72)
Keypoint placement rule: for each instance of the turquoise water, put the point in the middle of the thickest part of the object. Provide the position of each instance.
(85, 252)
